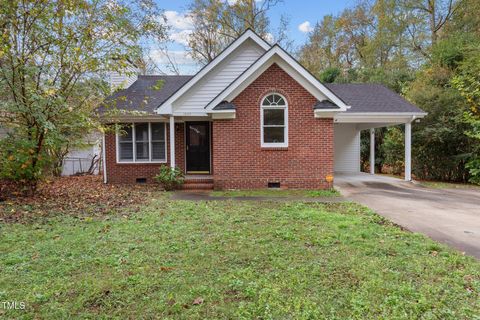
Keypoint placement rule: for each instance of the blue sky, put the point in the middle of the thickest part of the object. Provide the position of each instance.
(303, 15)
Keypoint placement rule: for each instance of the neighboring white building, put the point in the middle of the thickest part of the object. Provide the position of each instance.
(81, 159)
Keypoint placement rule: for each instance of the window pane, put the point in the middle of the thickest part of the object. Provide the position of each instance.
(141, 132)
(142, 150)
(126, 151)
(125, 134)
(158, 151)
(158, 131)
(273, 100)
(266, 101)
(274, 134)
(273, 117)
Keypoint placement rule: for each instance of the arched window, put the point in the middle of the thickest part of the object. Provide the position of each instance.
(274, 121)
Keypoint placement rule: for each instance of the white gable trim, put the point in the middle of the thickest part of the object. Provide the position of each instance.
(277, 55)
(166, 107)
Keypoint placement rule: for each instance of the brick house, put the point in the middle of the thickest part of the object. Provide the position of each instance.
(252, 118)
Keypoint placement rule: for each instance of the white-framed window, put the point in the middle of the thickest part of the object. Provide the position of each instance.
(142, 143)
(274, 121)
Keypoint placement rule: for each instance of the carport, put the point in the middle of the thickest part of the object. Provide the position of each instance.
(371, 107)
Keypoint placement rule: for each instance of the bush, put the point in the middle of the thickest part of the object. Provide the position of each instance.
(20, 163)
(474, 168)
(170, 178)
(394, 149)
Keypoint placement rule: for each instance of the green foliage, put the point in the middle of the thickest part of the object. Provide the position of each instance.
(467, 82)
(440, 146)
(170, 178)
(365, 149)
(474, 168)
(329, 75)
(448, 53)
(15, 160)
(158, 85)
(394, 150)
(53, 55)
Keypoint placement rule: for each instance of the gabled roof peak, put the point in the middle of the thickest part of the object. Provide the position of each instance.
(166, 107)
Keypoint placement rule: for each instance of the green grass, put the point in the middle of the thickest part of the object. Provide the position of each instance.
(238, 260)
(449, 185)
(277, 193)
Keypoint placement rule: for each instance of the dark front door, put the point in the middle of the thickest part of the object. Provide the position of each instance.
(198, 147)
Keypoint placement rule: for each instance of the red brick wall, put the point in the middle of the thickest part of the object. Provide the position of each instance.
(128, 173)
(239, 160)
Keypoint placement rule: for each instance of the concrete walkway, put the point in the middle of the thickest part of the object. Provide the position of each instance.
(450, 216)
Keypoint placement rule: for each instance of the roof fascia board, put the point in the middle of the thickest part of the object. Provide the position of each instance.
(265, 61)
(378, 117)
(390, 114)
(166, 107)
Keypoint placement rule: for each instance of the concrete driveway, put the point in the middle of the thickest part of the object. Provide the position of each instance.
(450, 216)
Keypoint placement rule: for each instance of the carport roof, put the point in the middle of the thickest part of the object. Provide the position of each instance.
(368, 97)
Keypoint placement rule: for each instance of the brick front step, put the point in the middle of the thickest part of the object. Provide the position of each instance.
(197, 185)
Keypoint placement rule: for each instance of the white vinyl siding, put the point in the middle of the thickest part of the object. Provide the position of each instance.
(197, 97)
(123, 79)
(347, 148)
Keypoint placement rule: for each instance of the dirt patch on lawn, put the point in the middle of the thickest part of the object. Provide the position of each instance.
(76, 196)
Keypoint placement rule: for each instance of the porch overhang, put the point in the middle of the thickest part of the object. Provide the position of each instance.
(377, 119)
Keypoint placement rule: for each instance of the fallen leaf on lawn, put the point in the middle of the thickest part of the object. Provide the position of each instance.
(166, 268)
(198, 301)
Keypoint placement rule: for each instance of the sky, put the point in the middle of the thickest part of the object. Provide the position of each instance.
(303, 15)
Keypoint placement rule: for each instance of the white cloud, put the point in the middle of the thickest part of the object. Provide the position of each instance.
(180, 57)
(181, 36)
(179, 21)
(305, 27)
(269, 37)
(232, 2)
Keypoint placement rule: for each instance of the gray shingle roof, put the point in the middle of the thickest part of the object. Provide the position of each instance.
(366, 97)
(325, 104)
(225, 105)
(145, 94)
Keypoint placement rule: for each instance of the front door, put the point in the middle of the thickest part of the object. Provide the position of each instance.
(198, 147)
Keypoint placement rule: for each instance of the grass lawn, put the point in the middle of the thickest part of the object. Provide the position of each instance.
(277, 193)
(438, 184)
(232, 260)
(449, 185)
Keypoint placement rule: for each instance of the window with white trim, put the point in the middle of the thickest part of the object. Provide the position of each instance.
(142, 142)
(274, 121)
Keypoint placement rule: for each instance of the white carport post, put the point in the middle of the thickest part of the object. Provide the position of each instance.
(372, 151)
(172, 142)
(408, 151)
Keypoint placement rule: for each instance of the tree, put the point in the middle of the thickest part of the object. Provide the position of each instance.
(393, 148)
(51, 55)
(467, 82)
(217, 23)
(429, 16)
